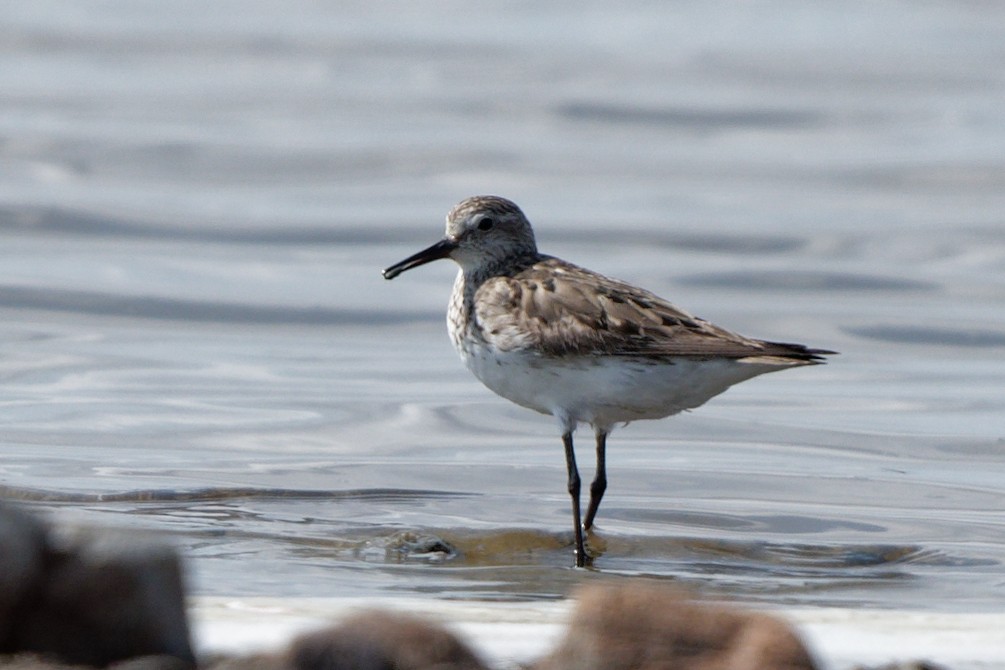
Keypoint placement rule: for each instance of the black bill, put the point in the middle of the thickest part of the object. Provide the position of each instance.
(439, 250)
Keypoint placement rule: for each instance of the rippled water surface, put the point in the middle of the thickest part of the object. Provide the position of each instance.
(195, 339)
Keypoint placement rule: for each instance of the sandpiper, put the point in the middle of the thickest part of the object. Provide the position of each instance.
(563, 340)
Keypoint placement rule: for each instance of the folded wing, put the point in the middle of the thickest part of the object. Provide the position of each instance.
(563, 310)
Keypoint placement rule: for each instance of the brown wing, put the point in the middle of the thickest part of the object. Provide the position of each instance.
(562, 309)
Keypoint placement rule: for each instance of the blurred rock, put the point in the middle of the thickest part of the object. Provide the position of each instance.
(645, 625)
(254, 662)
(90, 597)
(157, 662)
(32, 662)
(382, 641)
(22, 545)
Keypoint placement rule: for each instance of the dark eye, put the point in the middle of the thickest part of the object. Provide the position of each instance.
(485, 224)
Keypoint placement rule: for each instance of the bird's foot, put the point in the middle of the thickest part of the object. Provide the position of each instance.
(595, 543)
(593, 547)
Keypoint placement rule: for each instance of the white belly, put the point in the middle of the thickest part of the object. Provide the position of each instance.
(604, 391)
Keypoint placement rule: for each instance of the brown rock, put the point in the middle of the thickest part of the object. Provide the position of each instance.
(646, 625)
(34, 662)
(157, 662)
(30, 661)
(382, 641)
(262, 661)
(104, 597)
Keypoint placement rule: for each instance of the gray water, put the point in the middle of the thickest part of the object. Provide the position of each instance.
(196, 342)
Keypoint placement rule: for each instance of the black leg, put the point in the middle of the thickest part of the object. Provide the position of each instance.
(599, 484)
(570, 462)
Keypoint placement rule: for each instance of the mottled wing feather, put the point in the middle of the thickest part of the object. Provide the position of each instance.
(562, 309)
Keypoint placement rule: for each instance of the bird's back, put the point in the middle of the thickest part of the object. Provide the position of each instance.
(559, 309)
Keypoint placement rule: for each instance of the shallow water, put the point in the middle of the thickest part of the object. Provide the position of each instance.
(195, 339)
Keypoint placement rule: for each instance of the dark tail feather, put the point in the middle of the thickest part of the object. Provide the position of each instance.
(799, 352)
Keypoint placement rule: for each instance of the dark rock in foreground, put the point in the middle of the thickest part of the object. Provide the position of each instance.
(22, 560)
(89, 597)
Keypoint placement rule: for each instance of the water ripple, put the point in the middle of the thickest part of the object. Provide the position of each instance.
(175, 309)
(692, 118)
(211, 494)
(790, 280)
(977, 338)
